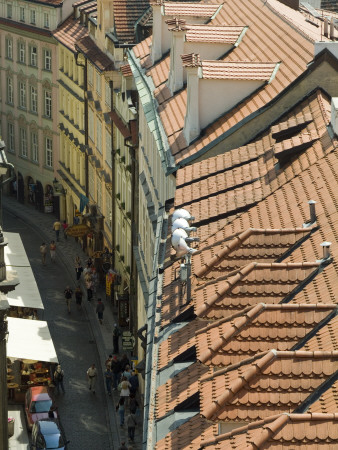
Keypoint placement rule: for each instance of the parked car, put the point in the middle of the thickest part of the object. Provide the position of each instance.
(48, 434)
(37, 404)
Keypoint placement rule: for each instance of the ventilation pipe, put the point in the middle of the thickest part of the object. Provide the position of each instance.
(326, 249)
(312, 204)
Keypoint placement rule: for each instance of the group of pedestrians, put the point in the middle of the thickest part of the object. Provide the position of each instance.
(44, 250)
(119, 375)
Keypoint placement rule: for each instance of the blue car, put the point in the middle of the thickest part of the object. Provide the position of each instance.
(48, 434)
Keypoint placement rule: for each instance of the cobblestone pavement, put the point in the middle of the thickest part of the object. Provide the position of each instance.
(90, 421)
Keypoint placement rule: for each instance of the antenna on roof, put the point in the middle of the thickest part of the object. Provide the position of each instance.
(179, 240)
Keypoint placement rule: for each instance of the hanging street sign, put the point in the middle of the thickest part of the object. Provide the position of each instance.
(128, 341)
(78, 230)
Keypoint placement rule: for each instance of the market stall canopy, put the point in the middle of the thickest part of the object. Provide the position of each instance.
(26, 294)
(30, 339)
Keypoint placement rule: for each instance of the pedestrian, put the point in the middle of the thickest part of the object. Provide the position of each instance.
(133, 380)
(124, 362)
(109, 361)
(124, 388)
(127, 373)
(131, 424)
(99, 310)
(92, 376)
(108, 375)
(89, 262)
(133, 404)
(123, 446)
(78, 268)
(68, 296)
(52, 250)
(120, 409)
(65, 226)
(89, 287)
(94, 279)
(43, 252)
(56, 228)
(116, 335)
(116, 368)
(78, 296)
(58, 379)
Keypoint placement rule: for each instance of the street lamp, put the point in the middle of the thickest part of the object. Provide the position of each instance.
(58, 189)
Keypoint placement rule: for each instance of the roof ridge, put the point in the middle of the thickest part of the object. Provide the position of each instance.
(191, 60)
(242, 273)
(269, 430)
(236, 327)
(238, 384)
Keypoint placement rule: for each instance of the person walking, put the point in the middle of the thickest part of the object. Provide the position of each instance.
(116, 335)
(131, 424)
(133, 404)
(68, 296)
(92, 376)
(58, 379)
(52, 250)
(109, 361)
(124, 388)
(133, 380)
(108, 375)
(99, 310)
(56, 228)
(65, 226)
(78, 268)
(116, 368)
(43, 253)
(78, 296)
(120, 409)
(89, 287)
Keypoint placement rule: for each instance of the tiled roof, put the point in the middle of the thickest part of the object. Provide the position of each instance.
(271, 383)
(126, 14)
(306, 431)
(269, 39)
(126, 70)
(213, 34)
(96, 56)
(206, 10)
(241, 70)
(70, 32)
(253, 330)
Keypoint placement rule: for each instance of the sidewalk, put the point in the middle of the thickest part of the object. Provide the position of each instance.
(66, 252)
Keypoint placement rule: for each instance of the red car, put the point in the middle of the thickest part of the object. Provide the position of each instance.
(37, 404)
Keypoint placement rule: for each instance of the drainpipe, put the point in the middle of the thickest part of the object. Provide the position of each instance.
(113, 168)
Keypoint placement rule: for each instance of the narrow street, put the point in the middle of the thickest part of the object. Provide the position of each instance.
(84, 415)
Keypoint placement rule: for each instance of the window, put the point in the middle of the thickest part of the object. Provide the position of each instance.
(9, 48)
(48, 104)
(34, 144)
(91, 124)
(34, 99)
(9, 11)
(46, 20)
(49, 152)
(98, 83)
(10, 136)
(22, 52)
(99, 194)
(22, 14)
(90, 74)
(99, 135)
(108, 148)
(33, 16)
(10, 90)
(23, 142)
(34, 56)
(107, 94)
(22, 94)
(108, 210)
(47, 60)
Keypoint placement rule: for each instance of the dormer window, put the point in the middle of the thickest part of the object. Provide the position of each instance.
(9, 11)
(46, 20)
(33, 17)
(22, 14)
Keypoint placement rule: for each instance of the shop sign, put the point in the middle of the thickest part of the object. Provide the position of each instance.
(78, 230)
(128, 340)
(108, 284)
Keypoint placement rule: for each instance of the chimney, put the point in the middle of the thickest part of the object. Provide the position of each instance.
(312, 204)
(192, 64)
(156, 46)
(177, 28)
(334, 115)
(326, 249)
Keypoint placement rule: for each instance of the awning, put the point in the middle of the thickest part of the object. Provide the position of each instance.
(26, 294)
(30, 339)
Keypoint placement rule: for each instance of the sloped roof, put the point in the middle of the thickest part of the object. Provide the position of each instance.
(96, 56)
(269, 39)
(315, 431)
(254, 330)
(126, 14)
(70, 32)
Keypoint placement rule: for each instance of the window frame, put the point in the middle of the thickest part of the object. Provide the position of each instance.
(33, 99)
(22, 13)
(10, 91)
(33, 17)
(48, 104)
(33, 56)
(22, 95)
(10, 137)
(46, 21)
(23, 142)
(9, 48)
(49, 151)
(35, 146)
(47, 56)
(9, 11)
(22, 52)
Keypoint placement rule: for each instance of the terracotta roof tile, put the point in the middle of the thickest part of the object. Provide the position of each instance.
(237, 70)
(315, 431)
(96, 56)
(126, 14)
(206, 10)
(214, 34)
(70, 32)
